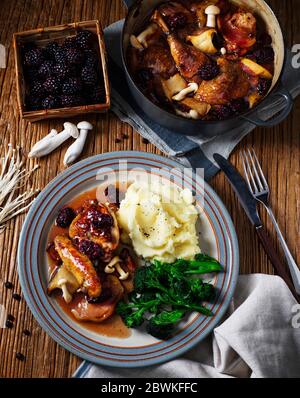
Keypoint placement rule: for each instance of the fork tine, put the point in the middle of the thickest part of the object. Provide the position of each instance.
(248, 172)
(266, 186)
(255, 170)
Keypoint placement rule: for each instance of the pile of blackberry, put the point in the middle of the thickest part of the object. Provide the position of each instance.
(63, 75)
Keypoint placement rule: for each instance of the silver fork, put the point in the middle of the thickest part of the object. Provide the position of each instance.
(260, 190)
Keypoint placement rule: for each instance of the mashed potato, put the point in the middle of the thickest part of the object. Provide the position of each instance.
(159, 220)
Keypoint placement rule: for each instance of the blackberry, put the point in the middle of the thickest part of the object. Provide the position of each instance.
(209, 71)
(221, 112)
(176, 21)
(264, 55)
(84, 39)
(239, 106)
(52, 48)
(70, 42)
(89, 76)
(37, 89)
(101, 220)
(50, 102)
(89, 248)
(264, 39)
(91, 57)
(33, 103)
(65, 217)
(71, 100)
(263, 86)
(60, 55)
(71, 86)
(74, 56)
(52, 85)
(62, 70)
(46, 69)
(34, 57)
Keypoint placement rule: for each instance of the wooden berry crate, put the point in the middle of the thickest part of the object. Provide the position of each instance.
(41, 37)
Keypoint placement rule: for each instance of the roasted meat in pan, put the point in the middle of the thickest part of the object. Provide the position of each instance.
(96, 222)
(157, 58)
(188, 59)
(232, 83)
(79, 265)
(100, 310)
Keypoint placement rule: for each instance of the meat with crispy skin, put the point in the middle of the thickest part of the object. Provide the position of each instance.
(188, 59)
(99, 312)
(79, 265)
(232, 83)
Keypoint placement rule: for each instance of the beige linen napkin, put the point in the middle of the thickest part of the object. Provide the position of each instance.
(259, 337)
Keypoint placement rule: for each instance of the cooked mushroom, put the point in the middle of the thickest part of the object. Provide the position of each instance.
(204, 41)
(191, 88)
(202, 108)
(149, 31)
(212, 11)
(173, 85)
(61, 278)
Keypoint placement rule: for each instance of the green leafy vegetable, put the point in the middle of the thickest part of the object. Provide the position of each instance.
(164, 293)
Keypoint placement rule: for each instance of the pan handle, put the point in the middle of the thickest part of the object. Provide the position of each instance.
(128, 3)
(280, 116)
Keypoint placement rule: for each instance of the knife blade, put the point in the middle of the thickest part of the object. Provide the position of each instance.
(241, 189)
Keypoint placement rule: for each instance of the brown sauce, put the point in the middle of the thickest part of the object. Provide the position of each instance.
(112, 327)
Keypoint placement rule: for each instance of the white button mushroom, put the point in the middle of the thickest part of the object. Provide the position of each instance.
(223, 51)
(77, 147)
(211, 12)
(53, 140)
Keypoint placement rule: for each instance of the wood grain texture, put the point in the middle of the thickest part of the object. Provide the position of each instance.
(277, 148)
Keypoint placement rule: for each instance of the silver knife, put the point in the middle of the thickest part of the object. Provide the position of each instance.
(249, 204)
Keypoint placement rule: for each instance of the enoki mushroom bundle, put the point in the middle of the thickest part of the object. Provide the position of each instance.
(14, 176)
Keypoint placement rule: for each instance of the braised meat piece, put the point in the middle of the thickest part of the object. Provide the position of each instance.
(100, 311)
(97, 223)
(232, 83)
(189, 60)
(79, 265)
(238, 30)
(157, 58)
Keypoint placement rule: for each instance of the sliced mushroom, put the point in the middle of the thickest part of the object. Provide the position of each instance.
(204, 41)
(149, 31)
(173, 85)
(202, 108)
(61, 278)
(191, 88)
(192, 114)
(135, 43)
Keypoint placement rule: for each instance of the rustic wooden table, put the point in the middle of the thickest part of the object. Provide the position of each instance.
(278, 148)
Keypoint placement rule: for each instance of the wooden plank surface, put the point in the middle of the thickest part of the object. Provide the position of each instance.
(278, 148)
